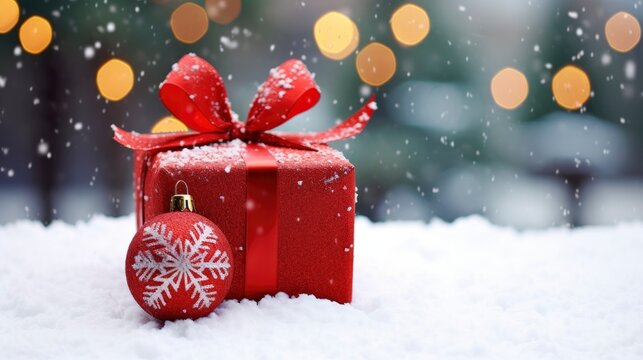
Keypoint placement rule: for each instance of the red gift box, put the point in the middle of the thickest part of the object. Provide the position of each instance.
(284, 201)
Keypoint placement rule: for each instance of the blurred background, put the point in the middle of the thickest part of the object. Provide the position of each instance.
(440, 145)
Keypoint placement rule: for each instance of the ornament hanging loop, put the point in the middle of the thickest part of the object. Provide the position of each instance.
(181, 202)
(176, 187)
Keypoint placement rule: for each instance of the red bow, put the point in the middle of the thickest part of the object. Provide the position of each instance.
(194, 93)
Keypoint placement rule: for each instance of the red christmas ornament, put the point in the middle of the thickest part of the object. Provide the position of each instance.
(179, 264)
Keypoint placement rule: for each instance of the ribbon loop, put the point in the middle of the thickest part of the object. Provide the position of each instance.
(194, 92)
(289, 90)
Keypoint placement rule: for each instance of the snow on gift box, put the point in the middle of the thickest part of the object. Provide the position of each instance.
(284, 201)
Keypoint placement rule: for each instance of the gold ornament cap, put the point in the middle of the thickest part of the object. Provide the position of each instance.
(181, 202)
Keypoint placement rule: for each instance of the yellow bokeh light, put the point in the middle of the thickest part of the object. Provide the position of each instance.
(9, 15)
(336, 35)
(223, 11)
(622, 32)
(509, 88)
(189, 22)
(35, 34)
(375, 64)
(115, 79)
(410, 24)
(571, 87)
(169, 124)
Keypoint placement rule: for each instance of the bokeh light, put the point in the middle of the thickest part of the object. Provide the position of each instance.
(115, 79)
(169, 124)
(336, 35)
(35, 34)
(189, 22)
(509, 88)
(9, 15)
(571, 87)
(375, 64)
(410, 24)
(622, 31)
(223, 11)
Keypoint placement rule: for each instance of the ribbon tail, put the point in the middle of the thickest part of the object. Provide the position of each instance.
(147, 142)
(279, 140)
(348, 128)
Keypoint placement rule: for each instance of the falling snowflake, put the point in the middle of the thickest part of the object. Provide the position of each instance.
(182, 263)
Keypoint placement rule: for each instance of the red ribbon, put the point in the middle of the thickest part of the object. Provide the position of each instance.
(261, 222)
(194, 93)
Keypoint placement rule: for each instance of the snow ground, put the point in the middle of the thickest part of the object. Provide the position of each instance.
(449, 291)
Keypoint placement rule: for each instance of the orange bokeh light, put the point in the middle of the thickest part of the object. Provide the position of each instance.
(115, 79)
(571, 87)
(35, 34)
(622, 32)
(509, 88)
(189, 22)
(336, 35)
(410, 24)
(375, 64)
(169, 124)
(9, 15)
(223, 11)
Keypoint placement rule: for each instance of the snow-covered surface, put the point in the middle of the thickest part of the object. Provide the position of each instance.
(448, 291)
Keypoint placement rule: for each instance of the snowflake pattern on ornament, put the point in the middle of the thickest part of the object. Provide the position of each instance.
(183, 263)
